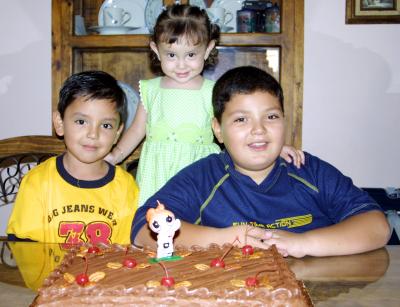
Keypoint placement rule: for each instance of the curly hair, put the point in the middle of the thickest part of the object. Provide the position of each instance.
(184, 21)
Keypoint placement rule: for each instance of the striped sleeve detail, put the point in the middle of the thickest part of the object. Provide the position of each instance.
(210, 197)
(360, 208)
(297, 221)
(305, 182)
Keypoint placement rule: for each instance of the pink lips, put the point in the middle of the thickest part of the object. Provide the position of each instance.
(89, 147)
(182, 75)
(260, 146)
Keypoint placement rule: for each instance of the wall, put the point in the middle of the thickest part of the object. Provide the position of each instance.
(351, 86)
(25, 67)
(352, 94)
(25, 73)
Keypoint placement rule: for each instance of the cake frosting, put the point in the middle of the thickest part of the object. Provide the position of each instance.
(196, 282)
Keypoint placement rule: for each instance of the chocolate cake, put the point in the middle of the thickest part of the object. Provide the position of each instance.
(128, 276)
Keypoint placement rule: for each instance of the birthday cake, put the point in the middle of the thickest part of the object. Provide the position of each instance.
(111, 275)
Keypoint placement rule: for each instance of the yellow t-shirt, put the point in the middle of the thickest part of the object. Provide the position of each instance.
(54, 207)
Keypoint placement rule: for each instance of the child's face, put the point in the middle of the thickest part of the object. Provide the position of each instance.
(182, 61)
(90, 128)
(253, 132)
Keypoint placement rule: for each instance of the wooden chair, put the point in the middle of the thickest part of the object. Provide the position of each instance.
(18, 155)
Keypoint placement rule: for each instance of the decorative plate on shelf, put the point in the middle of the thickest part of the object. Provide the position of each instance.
(134, 7)
(113, 30)
(155, 7)
(199, 3)
(225, 29)
(151, 12)
(132, 98)
(230, 6)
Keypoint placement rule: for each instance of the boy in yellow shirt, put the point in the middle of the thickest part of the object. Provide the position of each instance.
(79, 197)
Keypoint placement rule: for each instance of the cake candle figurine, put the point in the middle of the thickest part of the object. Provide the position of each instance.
(163, 222)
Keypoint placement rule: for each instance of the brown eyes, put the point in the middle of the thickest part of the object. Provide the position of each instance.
(268, 117)
(239, 120)
(273, 116)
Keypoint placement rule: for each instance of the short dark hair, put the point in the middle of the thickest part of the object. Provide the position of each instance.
(92, 85)
(243, 80)
(189, 21)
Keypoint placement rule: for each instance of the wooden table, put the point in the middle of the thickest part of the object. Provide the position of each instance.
(369, 279)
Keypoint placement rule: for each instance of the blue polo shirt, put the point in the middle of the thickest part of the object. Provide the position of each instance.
(211, 192)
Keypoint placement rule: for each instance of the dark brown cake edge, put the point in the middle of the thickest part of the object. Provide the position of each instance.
(305, 293)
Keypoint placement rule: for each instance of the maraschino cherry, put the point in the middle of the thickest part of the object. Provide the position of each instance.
(129, 262)
(253, 281)
(219, 262)
(247, 250)
(93, 250)
(82, 279)
(167, 281)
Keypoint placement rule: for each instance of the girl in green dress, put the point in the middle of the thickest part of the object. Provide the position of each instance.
(175, 111)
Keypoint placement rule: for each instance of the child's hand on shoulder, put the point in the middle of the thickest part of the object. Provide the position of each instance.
(293, 155)
(110, 158)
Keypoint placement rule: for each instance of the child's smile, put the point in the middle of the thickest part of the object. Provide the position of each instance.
(258, 146)
(182, 62)
(90, 147)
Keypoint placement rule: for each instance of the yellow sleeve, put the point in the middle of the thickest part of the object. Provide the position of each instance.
(27, 217)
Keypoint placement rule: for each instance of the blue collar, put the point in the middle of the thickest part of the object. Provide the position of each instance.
(267, 183)
(85, 184)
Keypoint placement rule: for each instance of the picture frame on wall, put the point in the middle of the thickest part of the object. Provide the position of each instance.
(372, 11)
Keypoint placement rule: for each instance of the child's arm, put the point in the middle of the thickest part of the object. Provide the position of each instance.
(359, 233)
(289, 153)
(190, 234)
(131, 137)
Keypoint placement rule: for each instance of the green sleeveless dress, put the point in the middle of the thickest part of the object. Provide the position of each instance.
(178, 132)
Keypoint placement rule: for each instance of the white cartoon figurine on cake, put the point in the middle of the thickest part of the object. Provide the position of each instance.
(163, 222)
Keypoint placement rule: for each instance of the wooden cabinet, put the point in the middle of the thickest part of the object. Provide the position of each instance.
(126, 56)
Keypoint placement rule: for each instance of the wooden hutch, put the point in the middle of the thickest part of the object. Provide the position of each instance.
(126, 56)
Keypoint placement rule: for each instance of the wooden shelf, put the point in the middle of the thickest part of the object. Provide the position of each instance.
(142, 40)
(109, 41)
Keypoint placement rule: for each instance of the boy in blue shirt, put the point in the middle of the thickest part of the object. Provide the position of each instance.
(248, 191)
